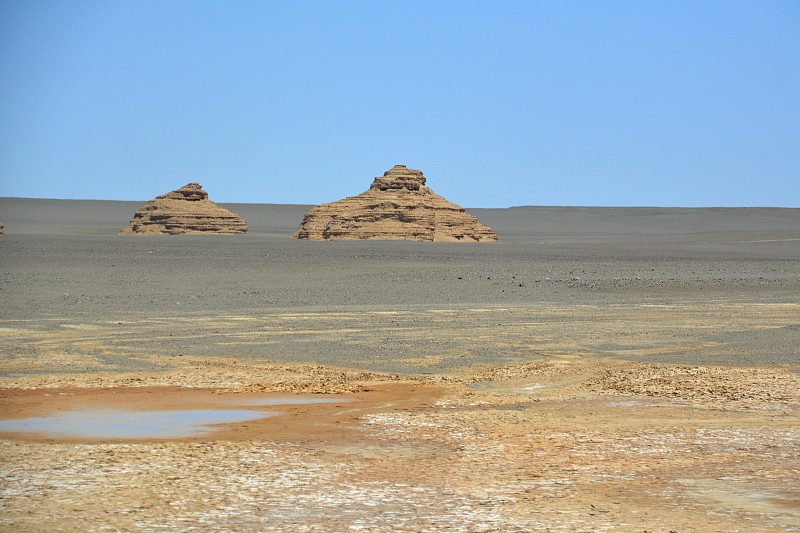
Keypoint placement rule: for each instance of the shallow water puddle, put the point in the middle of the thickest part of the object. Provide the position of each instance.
(121, 423)
(118, 424)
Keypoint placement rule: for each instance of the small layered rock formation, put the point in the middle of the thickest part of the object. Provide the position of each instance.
(184, 210)
(398, 206)
(2, 229)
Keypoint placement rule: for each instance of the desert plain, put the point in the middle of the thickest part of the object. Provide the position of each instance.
(598, 369)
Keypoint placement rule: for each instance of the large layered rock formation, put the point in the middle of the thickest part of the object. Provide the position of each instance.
(398, 206)
(184, 210)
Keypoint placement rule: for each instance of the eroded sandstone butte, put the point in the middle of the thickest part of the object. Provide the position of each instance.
(398, 206)
(183, 211)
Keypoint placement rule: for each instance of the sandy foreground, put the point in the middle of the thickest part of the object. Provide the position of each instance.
(597, 370)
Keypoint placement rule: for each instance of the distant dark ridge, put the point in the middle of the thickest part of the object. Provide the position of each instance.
(129, 201)
(63, 199)
(527, 206)
(719, 207)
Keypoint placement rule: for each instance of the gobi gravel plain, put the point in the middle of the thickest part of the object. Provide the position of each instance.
(598, 369)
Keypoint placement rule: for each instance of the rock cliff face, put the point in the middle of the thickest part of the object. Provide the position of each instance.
(398, 206)
(184, 210)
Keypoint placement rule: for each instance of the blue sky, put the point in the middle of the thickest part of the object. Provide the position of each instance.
(499, 103)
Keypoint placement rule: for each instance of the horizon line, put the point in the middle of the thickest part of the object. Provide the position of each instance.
(521, 206)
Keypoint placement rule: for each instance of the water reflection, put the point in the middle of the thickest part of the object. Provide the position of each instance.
(119, 424)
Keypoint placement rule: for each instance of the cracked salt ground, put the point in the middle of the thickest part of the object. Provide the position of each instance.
(310, 489)
(465, 483)
(607, 459)
(489, 481)
(571, 462)
(400, 423)
(235, 488)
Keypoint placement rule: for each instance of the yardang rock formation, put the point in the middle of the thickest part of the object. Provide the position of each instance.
(184, 210)
(398, 206)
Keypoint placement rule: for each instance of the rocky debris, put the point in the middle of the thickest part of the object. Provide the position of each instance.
(750, 388)
(398, 206)
(2, 228)
(184, 210)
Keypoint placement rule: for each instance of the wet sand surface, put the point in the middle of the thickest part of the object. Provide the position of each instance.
(600, 369)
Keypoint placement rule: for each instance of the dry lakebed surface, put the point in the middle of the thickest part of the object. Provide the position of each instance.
(598, 369)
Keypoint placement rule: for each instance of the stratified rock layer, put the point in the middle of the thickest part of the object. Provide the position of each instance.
(182, 211)
(398, 206)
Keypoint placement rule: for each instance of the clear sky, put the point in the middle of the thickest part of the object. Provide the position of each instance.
(499, 103)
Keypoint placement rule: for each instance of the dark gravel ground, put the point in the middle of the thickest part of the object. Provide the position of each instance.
(62, 262)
